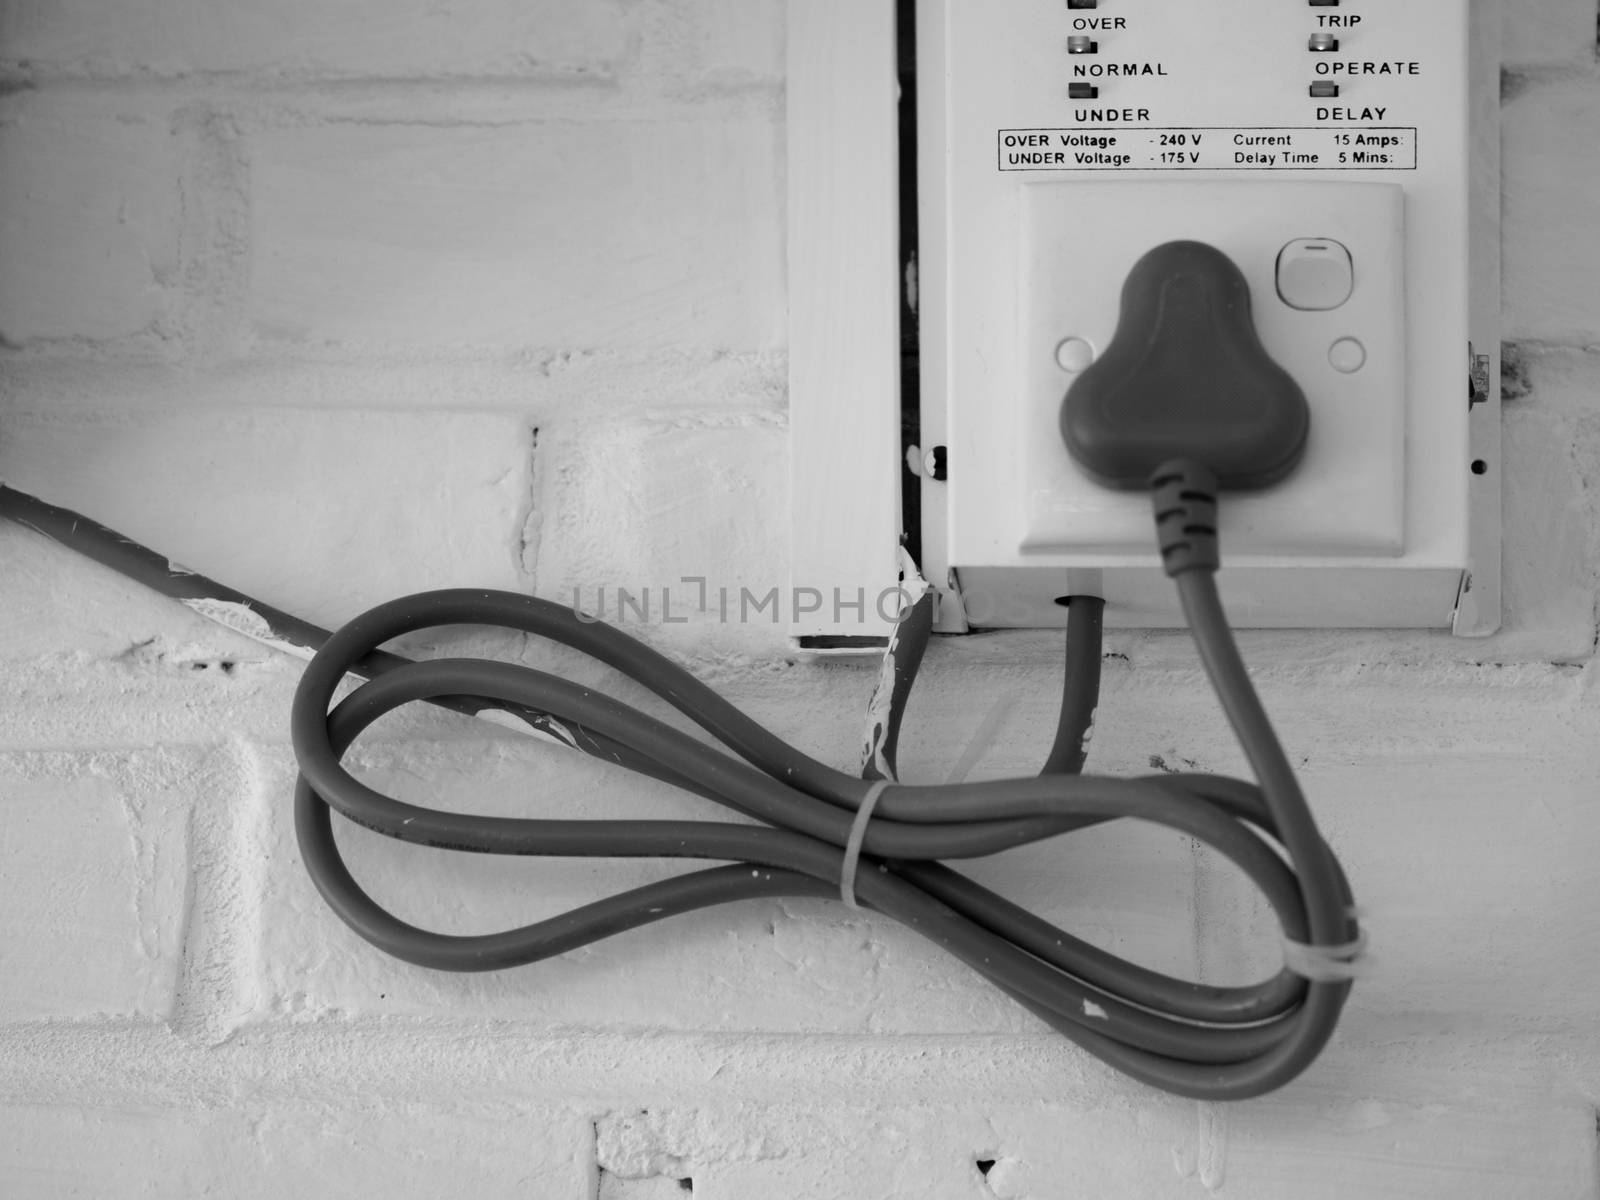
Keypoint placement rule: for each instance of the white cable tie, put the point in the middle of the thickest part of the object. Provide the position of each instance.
(1326, 964)
(858, 834)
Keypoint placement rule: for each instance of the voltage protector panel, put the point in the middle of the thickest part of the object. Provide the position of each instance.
(1341, 153)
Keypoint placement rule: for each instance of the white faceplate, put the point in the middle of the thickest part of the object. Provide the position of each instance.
(1078, 241)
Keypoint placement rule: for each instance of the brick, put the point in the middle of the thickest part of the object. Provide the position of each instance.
(558, 393)
(846, 1151)
(714, 42)
(61, 605)
(743, 39)
(320, 513)
(89, 193)
(1395, 1138)
(569, 384)
(931, 1150)
(469, 1148)
(1561, 379)
(92, 881)
(655, 1187)
(1527, 849)
(1548, 542)
(1543, 32)
(1418, 796)
(546, 233)
(641, 505)
(372, 37)
(1418, 1124)
(113, 1153)
(1361, 1144)
(259, 1151)
(1551, 187)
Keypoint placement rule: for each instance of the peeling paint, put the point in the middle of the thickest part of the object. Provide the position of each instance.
(241, 618)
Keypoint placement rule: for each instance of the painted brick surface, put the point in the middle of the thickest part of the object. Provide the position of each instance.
(93, 874)
(713, 42)
(1392, 810)
(1549, 549)
(575, 385)
(1166, 1149)
(90, 194)
(437, 501)
(654, 506)
(337, 302)
(629, 233)
(1545, 32)
(1551, 185)
(384, 39)
(291, 1149)
(682, 42)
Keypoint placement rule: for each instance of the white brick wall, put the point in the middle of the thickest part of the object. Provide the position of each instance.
(624, 233)
(93, 877)
(91, 195)
(374, 38)
(337, 301)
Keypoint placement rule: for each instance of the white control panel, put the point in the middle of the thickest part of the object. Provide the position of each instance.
(1336, 152)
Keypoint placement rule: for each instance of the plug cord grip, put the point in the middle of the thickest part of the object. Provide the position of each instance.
(1184, 495)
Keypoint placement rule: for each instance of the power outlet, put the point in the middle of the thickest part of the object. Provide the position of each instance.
(1077, 244)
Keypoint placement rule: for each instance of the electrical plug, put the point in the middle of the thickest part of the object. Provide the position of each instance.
(1185, 376)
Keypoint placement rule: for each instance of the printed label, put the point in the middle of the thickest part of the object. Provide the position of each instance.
(1351, 148)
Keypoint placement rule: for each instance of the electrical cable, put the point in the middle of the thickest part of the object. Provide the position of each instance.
(236, 611)
(1204, 1041)
(1080, 686)
(902, 658)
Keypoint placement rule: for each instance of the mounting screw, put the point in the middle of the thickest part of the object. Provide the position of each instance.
(926, 466)
(1477, 377)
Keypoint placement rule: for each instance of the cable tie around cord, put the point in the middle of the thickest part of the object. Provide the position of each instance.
(1326, 964)
(858, 834)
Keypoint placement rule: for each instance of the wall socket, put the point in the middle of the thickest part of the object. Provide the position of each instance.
(1076, 245)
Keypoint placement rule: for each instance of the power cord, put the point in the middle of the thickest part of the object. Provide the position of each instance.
(1203, 1041)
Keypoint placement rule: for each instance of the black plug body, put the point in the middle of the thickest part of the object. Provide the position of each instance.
(1185, 376)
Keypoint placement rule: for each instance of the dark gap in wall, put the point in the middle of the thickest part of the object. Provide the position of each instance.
(527, 547)
(843, 641)
(1515, 383)
(608, 1185)
(1512, 85)
(910, 358)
